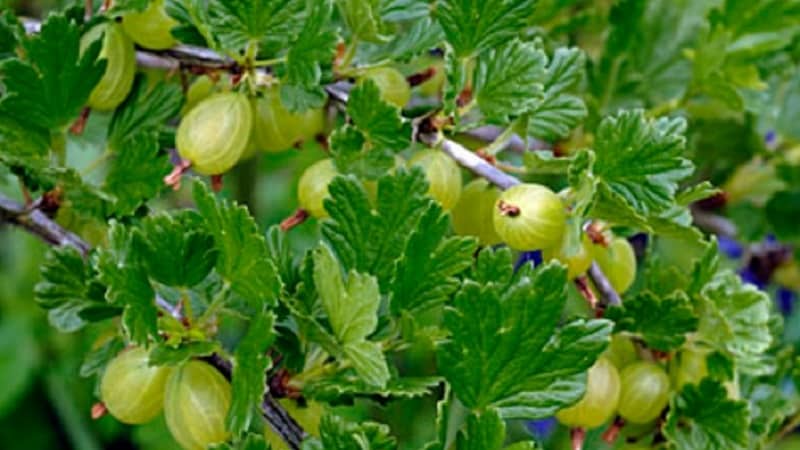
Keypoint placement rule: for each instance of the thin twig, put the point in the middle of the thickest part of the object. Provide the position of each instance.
(602, 284)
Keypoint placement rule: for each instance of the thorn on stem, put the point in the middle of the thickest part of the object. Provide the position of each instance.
(464, 97)
(79, 125)
(173, 180)
(577, 435)
(294, 220)
(486, 156)
(507, 209)
(98, 410)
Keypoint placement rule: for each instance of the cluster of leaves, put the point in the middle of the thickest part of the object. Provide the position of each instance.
(387, 273)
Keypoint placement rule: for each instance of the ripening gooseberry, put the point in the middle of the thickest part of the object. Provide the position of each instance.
(618, 263)
(276, 128)
(120, 56)
(392, 85)
(196, 401)
(530, 217)
(312, 189)
(600, 400)
(645, 392)
(577, 263)
(215, 133)
(443, 175)
(472, 215)
(151, 27)
(131, 389)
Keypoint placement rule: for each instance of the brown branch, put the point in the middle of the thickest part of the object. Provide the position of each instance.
(602, 284)
(39, 224)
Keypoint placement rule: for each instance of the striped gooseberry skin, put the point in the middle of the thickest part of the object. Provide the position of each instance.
(132, 390)
(443, 175)
(216, 132)
(689, 366)
(312, 189)
(278, 129)
(600, 400)
(196, 402)
(472, 215)
(645, 392)
(120, 55)
(618, 263)
(530, 217)
(150, 28)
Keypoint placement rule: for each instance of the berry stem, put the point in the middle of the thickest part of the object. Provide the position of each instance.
(295, 219)
(583, 288)
(578, 436)
(174, 178)
(79, 125)
(610, 435)
(98, 410)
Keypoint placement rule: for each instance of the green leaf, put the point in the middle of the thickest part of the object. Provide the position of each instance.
(95, 362)
(314, 46)
(242, 258)
(661, 321)
(23, 145)
(52, 86)
(507, 351)
(423, 35)
(367, 240)
(167, 355)
(145, 111)
(339, 387)
(136, 172)
(237, 23)
(509, 80)
(734, 317)
(702, 417)
(336, 433)
(485, 431)
(425, 274)
(128, 285)
(176, 249)
(363, 19)
(10, 28)
(559, 112)
(69, 292)
(250, 442)
(249, 379)
(352, 309)
(472, 27)
(545, 162)
(379, 121)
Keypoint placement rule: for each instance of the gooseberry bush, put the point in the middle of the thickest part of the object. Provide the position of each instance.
(516, 225)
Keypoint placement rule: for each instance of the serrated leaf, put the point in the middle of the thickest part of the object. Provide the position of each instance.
(50, 88)
(352, 309)
(67, 290)
(509, 80)
(662, 321)
(555, 116)
(472, 27)
(425, 275)
(507, 351)
(484, 431)
(23, 145)
(136, 172)
(423, 35)
(314, 46)
(641, 160)
(769, 409)
(128, 285)
(341, 386)
(249, 378)
(379, 121)
(337, 433)
(166, 355)
(368, 240)
(702, 417)
(175, 248)
(237, 23)
(146, 109)
(10, 28)
(735, 317)
(363, 19)
(97, 359)
(242, 258)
